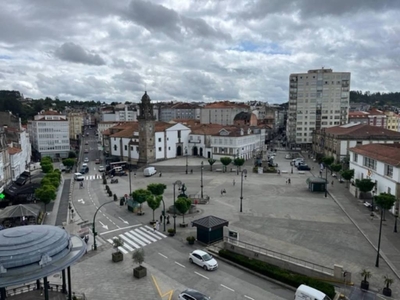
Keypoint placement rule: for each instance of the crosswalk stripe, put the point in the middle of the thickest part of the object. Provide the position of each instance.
(144, 232)
(125, 246)
(110, 241)
(129, 242)
(150, 233)
(123, 250)
(135, 239)
(155, 232)
(140, 236)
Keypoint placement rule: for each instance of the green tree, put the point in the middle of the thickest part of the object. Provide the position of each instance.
(211, 161)
(328, 160)
(364, 185)
(46, 159)
(154, 203)
(71, 154)
(68, 162)
(225, 161)
(182, 205)
(46, 167)
(347, 175)
(46, 194)
(238, 162)
(141, 196)
(385, 201)
(156, 189)
(138, 256)
(336, 167)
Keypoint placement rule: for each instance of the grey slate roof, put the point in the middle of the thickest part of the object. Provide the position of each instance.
(210, 222)
(20, 210)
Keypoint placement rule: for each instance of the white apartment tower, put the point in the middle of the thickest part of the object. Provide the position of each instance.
(317, 99)
(49, 134)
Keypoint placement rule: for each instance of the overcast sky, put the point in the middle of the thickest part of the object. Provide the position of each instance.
(196, 50)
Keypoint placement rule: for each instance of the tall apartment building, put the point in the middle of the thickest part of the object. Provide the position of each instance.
(75, 125)
(49, 134)
(317, 99)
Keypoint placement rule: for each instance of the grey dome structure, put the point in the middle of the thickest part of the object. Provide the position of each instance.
(29, 253)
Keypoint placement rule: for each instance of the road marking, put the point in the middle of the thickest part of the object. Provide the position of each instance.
(120, 229)
(170, 293)
(125, 246)
(202, 275)
(228, 288)
(155, 232)
(180, 265)
(129, 242)
(248, 297)
(126, 222)
(146, 233)
(104, 226)
(135, 239)
(162, 255)
(150, 234)
(135, 234)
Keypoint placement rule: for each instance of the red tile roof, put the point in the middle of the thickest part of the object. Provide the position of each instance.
(358, 130)
(386, 153)
(49, 113)
(226, 104)
(14, 150)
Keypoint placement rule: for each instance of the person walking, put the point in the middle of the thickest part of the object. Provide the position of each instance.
(332, 183)
(157, 225)
(168, 219)
(233, 182)
(154, 226)
(160, 218)
(288, 180)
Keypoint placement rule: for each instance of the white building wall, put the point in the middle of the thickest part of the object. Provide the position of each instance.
(17, 165)
(384, 184)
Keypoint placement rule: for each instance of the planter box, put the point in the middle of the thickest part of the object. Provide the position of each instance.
(364, 285)
(117, 256)
(387, 292)
(139, 272)
(183, 225)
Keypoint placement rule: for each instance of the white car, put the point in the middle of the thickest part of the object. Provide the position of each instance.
(203, 259)
(101, 169)
(86, 160)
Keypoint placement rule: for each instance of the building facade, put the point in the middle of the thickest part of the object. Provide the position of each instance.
(317, 99)
(49, 134)
(373, 117)
(336, 141)
(146, 121)
(5, 164)
(221, 112)
(75, 120)
(380, 163)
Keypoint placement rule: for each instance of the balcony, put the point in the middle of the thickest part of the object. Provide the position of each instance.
(195, 141)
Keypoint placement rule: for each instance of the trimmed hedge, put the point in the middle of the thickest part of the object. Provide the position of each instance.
(277, 273)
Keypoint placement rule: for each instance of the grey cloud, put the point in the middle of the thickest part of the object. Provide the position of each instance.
(158, 18)
(75, 53)
(123, 64)
(128, 81)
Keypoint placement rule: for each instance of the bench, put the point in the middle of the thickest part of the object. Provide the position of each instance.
(218, 170)
(284, 172)
(301, 172)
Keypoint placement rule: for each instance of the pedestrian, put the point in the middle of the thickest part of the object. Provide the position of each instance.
(160, 218)
(222, 192)
(154, 226)
(332, 183)
(288, 181)
(160, 174)
(157, 225)
(168, 219)
(86, 239)
(233, 182)
(191, 171)
(134, 175)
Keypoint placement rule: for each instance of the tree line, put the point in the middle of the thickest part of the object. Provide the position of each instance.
(377, 99)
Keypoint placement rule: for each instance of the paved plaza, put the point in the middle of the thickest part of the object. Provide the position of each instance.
(283, 217)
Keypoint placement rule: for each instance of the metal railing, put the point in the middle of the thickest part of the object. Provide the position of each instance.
(280, 256)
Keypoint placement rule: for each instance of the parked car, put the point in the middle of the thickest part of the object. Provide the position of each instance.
(101, 169)
(78, 177)
(86, 150)
(86, 143)
(150, 171)
(203, 259)
(303, 168)
(86, 160)
(97, 161)
(288, 156)
(190, 294)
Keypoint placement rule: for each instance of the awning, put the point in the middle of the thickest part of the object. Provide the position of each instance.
(20, 210)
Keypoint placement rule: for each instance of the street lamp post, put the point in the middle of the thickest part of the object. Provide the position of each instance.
(396, 215)
(241, 189)
(178, 183)
(372, 203)
(379, 240)
(326, 181)
(237, 167)
(165, 211)
(186, 154)
(130, 160)
(94, 224)
(201, 184)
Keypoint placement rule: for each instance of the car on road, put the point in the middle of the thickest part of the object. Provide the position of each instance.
(303, 168)
(86, 150)
(86, 143)
(203, 259)
(78, 177)
(190, 294)
(97, 161)
(86, 160)
(101, 169)
(288, 156)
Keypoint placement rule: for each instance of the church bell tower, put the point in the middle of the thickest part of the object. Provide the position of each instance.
(146, 120)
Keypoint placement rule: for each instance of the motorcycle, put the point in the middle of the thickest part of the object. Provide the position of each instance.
(114, 180)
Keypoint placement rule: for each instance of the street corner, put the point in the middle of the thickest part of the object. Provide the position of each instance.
(163, 289)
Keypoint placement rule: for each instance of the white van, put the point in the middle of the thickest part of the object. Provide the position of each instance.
(150, 171)
(305, 292)
(78, 177)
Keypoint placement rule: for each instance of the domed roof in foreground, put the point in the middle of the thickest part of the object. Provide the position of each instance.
(31, 252)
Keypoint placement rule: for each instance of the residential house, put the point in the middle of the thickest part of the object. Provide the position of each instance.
(5, 165)
(222, 112)
(372, 117)
(336, 141)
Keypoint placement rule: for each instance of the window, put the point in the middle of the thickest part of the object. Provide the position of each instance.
(159, 139)
(355, 157)
(389, 171)
(126, 147)
(369, 163)
(159, 149)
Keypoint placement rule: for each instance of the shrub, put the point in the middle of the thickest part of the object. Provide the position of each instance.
(277, 273)
(171, 230)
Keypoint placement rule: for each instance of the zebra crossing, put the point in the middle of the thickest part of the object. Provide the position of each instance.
(92, 177)
(138, 238)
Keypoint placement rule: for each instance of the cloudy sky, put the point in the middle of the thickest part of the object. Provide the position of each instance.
(197, 50)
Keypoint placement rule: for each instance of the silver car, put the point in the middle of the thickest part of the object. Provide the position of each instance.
(203, 259)
(190, 294)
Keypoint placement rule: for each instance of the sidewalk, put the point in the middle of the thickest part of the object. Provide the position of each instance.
(367, 225)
